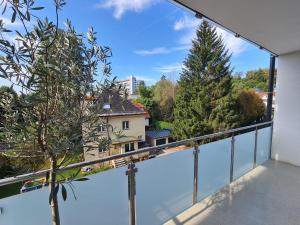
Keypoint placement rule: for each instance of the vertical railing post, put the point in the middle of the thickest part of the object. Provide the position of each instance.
(271, 140)
(270, 88)
(255, 148)
(131, 192)
(232, 157)
(195, 183)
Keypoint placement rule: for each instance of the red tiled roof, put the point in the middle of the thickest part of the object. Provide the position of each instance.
(118, 104)
(141, 106)
(263, 94)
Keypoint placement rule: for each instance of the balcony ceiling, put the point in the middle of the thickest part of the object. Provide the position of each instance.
(272, 24)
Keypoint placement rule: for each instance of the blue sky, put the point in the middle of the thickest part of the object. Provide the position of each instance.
(148, 37)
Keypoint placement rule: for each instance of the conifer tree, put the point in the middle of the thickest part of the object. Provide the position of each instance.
(203, 102)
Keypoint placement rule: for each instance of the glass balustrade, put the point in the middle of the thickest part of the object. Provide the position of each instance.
(164, 186)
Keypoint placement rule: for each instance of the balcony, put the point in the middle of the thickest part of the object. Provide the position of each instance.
(226, 181)
(268, 194)
(227, 178)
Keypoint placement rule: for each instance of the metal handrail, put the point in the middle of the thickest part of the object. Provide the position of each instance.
(27, 176)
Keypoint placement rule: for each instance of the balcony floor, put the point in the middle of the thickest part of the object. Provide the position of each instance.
(268, 195)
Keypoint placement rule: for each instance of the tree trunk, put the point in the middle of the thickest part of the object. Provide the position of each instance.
(52, 185)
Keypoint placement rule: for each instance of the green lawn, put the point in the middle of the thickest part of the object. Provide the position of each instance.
(163, 125)
(14, 189)
(74, 172)
(10, 190)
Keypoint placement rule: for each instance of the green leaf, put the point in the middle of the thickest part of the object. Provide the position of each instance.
(13, 18)
(82, 179)
(37, 8)
(53, 194)
(5, 30)
(30, 81)
(4, 9)
(28, 15)
(75, 174)
(64, 192)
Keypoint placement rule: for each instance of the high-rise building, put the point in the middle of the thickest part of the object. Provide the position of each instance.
(131, 84)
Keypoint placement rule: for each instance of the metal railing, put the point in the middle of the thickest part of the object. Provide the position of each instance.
(132, 170)
(33, 175)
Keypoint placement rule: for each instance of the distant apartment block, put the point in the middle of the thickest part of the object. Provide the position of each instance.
(131, 84)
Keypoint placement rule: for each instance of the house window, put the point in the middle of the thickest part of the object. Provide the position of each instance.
(140, 137)
(102, 128)
(125, 125)
(129, 147)
(161, 141)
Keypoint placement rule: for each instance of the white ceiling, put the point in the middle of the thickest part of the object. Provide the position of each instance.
(272, 24)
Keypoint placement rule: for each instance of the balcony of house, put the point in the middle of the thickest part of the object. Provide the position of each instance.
(269, 194)
(223, 178)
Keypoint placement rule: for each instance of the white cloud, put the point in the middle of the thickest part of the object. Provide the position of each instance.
(172, 68)
(187, 37)
(160, 50)
(9, 37)
(145, 78)
(235, 45)
(186, 22)
(7, 22)
(121, 6)
(154, 51)
(189, 26)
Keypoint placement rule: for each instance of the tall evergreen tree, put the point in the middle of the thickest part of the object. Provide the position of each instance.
(203, 101)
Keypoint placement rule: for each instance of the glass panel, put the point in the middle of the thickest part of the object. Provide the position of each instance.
(243, 153)
(103, 199)
(214, 167)
(263, 145)
(164, 187)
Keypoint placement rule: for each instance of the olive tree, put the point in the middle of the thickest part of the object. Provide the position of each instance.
(55, 69)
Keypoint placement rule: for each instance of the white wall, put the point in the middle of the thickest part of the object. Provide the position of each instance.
(286, 138)
(136, 125)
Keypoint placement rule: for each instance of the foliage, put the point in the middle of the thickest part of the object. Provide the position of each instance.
(164, 96)
(10, 190)
(203, 97)
(144, 91)
(146, 98)
(250, 106)
(167, 109)
(225, 115)
(158, 99)
(14, 105)
(159, 125)
(254, 79)
(57, 68)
